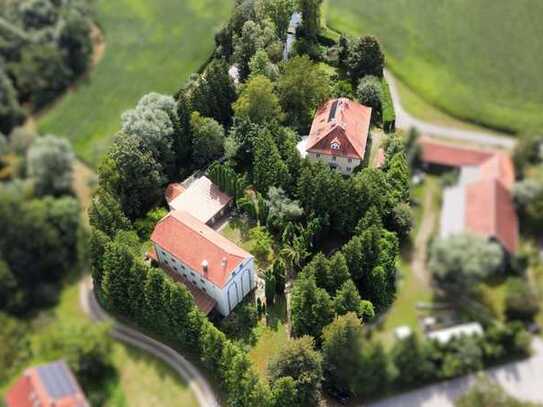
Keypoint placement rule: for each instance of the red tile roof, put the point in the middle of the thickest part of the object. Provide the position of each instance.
(52, 384)
(500, 167)
(342, 121)
(193, 242)
(451, 155)
(380, 158)
(490, 212)
(489, 209)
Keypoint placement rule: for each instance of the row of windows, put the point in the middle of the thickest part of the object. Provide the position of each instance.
(334, 158)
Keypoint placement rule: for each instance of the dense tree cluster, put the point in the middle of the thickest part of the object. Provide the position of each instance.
(41, 226)
(243, 131)
(461, 261)
(44, 46)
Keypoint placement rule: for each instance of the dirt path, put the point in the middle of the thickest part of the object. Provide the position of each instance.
(420, 254)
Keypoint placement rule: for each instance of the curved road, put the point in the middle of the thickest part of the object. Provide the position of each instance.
(405, 121)
(185, 369)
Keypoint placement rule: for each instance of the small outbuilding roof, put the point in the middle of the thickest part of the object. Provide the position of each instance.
(444, 336)
(202, 199)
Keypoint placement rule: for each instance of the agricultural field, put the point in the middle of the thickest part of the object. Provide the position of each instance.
(477, 60)
(149, 46)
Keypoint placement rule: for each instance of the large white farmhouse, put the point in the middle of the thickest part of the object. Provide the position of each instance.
(218, 273)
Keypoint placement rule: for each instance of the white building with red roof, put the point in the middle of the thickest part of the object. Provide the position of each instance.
(338, 135)
(218, 273)
(202, 199)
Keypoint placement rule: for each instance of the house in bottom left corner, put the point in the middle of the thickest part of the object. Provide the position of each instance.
(48, 385)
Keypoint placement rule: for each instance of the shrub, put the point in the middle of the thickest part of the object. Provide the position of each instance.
(521, 302)
(370, 93)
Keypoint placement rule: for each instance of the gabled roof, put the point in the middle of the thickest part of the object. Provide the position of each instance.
(340, 121)
(482, 203)
(192, 242)
(500, 166)
(52, 384)
(452, 155)
(490, 212)
(203, 199)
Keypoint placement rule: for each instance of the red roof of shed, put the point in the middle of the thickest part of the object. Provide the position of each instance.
(340, 121)
(452, 155)
(490, 212)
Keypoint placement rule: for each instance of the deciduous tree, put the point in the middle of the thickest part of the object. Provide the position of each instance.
(50, 165)
(300, 361)
(208, 140)
(258, 102)
(342, 352)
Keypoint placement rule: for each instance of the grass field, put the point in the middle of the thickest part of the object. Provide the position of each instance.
(479, 60)
(271, 336)
(143, 380)
(150, 46)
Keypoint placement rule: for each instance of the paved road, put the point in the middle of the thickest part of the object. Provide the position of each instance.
(185, 369)
(523, 380)
(404, 120)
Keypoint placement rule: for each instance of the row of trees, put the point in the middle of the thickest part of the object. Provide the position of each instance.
(44, 46)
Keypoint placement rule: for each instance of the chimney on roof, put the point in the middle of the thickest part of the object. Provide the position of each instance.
(205, 267)
(223, 264)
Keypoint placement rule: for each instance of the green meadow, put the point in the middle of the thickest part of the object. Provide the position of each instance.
(150, 46)
(479, 60)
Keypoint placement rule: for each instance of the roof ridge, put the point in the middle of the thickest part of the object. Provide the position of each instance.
(227, 248)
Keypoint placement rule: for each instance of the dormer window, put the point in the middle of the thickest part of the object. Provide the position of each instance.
(335, 145)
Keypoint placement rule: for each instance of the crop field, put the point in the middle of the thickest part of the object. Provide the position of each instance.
(479, 60)
(149, 46)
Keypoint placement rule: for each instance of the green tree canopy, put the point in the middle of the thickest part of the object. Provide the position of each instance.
(342, 352)
(459, 262)
(300, 361)
(50, 164)
(311, 307)
(208, 140)
(366, 58)
(258, 102)
(302, 87)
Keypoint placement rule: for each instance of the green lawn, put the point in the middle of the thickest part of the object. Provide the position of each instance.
(143, 381)
(411, 289)
(271, 335)
(479, 60)
(150, 46)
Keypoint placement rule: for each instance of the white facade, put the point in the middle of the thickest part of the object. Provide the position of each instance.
(342, 164)
(241, 281)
